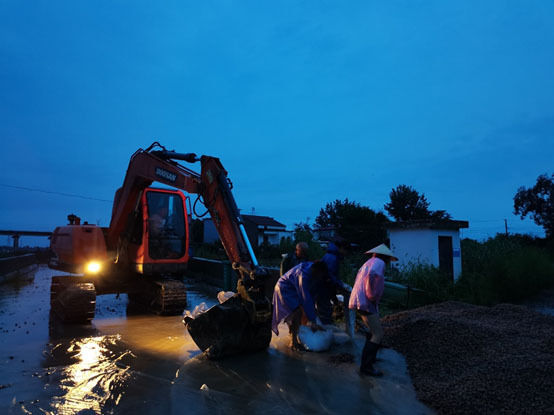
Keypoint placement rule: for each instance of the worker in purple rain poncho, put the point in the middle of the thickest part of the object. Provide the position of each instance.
(293, 298)
(365, 297)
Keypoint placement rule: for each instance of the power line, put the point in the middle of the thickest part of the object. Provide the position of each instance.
(29, 189)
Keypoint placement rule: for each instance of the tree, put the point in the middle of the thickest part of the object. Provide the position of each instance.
(357, 224)
(438, 215)
(538, 202)
(406, 204)
(303, 232)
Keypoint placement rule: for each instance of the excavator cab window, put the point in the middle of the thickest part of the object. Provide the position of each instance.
(166, 225)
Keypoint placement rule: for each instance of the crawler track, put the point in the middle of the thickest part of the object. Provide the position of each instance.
(170, 297)
(72, 300)
(164, 297)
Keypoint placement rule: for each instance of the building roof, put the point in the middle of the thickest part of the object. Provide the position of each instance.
(263, 221)
(429, 224)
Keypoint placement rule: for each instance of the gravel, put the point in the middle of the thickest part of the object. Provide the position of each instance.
(468, 359)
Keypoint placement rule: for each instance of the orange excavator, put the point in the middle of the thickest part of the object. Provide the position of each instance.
(144, 253)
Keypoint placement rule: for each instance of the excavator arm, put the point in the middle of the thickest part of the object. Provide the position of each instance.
(243, 323)
(212, 186)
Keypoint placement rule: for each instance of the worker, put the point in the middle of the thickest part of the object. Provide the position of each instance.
(158, 221)
(292, 259)
(365, 297)
(159, 242)
(293, 299)
(336, 251)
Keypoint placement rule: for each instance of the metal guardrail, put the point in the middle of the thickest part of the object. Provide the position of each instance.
(220, 274)
(404, 295)
(14, 264)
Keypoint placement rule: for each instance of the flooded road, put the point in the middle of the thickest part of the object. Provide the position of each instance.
(147, 364)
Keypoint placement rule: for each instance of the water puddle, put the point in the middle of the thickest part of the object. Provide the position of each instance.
(125, 363)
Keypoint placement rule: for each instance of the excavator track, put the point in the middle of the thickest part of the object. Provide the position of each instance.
(72, 300)
(170, 297)
(163, 297)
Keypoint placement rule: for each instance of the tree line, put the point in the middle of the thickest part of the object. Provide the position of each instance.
(365, 227)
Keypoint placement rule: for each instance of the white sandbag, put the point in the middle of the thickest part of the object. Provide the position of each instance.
(223, 296)
(341, 338)
(317, 341)
(199, 309)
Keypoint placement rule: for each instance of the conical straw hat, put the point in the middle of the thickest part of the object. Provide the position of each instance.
(383, 250)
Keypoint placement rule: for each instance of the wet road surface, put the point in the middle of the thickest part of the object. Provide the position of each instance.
(148, 364)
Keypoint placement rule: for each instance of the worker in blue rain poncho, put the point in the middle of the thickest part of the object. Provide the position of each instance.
(328, 290)
(293, 299)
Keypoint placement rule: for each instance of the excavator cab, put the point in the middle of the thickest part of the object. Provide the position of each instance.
(161, 243)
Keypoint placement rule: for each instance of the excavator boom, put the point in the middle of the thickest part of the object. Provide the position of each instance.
(243, 322)
(211, 185)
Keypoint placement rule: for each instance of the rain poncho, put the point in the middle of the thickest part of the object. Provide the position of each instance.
(369, 286)
(332, 259)
(291, 291)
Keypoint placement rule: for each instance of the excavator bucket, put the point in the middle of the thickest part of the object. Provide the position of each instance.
(229, 328)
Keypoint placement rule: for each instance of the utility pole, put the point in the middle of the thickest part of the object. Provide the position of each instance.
(15, 243)
(506, 226)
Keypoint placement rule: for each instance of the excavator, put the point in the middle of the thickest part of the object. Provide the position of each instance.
(145, 250)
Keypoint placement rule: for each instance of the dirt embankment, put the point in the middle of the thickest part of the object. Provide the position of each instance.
(467, 359)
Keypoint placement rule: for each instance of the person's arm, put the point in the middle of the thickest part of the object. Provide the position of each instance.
(284, 264)
(375, 281)
(374, 288)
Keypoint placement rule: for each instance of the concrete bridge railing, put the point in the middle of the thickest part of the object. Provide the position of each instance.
(11, 266)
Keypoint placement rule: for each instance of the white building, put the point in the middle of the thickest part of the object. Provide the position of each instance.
(426, 242)
(264, 229)
(260, 230)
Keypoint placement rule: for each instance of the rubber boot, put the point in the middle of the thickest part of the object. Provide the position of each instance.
(367, 348)
(366, 351)
(369, 355)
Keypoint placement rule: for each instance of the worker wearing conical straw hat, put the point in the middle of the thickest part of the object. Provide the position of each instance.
(365, 298)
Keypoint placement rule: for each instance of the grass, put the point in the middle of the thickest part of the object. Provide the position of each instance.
(504, 269)
(501, 269)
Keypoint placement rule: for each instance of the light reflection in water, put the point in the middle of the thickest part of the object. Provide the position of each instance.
(96, 380)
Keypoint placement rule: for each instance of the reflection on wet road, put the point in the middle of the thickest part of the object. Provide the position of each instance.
(148, 364)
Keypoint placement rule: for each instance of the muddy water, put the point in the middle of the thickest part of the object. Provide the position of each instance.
(145, 364)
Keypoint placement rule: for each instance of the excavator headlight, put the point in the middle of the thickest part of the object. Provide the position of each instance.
(93, 267)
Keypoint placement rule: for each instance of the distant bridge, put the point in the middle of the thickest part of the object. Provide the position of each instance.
(17, 234)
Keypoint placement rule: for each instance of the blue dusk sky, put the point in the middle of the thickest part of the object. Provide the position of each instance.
(304, 102)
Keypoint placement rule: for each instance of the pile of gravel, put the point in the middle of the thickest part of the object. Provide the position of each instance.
(469, 359)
